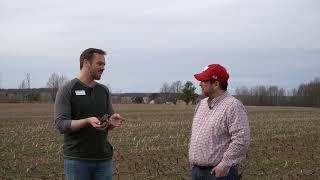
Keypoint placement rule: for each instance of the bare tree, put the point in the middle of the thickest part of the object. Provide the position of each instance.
(165, 88)
(55, 81)
(169, 92)
(309, 94)
(243, 94)
(23, 84)
(24, 94)
(28, 81)
(305, 95)
(176, 88)
(0, 80)
(165, 91)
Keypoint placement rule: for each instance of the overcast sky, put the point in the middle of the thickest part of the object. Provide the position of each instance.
(265, 42)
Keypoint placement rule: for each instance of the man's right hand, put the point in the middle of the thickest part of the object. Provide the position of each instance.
(95, 122)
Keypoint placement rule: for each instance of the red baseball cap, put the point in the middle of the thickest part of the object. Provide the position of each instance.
(214, 72)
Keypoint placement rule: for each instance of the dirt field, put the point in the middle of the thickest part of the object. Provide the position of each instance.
(154, 141)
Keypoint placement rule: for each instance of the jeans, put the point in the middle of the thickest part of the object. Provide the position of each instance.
(205, 174)
(88, 169)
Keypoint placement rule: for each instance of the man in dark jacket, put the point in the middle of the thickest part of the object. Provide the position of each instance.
(84, 114)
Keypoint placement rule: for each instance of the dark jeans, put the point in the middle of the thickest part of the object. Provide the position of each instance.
(204, 173)
(87, 170)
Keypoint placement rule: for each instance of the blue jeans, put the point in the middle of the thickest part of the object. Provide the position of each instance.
(205, 174)
(88, 169)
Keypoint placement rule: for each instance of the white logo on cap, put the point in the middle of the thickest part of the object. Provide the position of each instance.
(206, 68)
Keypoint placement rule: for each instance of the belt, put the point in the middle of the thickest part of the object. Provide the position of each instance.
(203, 167)
(211, 167)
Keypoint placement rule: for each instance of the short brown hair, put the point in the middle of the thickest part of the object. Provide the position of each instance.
(88, 54)
(222, 84)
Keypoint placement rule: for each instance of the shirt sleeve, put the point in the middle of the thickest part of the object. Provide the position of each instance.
(110, 110)
(238, 126)
(196, 108)
(62, 109)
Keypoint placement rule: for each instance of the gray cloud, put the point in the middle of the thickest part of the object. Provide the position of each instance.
(150, 42)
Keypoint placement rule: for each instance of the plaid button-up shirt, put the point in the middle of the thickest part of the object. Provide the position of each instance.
(220, 134)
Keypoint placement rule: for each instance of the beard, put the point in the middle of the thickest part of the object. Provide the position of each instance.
(208, 93)
(205, 93)
(96, 75)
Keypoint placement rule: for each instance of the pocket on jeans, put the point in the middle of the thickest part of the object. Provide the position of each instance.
(70, 166)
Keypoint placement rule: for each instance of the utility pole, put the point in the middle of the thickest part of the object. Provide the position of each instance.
(0, 80)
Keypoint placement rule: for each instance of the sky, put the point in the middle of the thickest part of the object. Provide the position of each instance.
(265, 42)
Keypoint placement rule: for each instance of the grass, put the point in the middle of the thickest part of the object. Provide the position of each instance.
(153, 143)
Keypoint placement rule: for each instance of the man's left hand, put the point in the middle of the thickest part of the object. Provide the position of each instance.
(219, 172)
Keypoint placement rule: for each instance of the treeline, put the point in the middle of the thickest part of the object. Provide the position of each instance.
(26, 94)
(307, 95)
(172, 93)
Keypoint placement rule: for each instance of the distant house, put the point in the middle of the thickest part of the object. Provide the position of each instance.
(180, 102)
(25, 95)
(126, 98)
(44, 95)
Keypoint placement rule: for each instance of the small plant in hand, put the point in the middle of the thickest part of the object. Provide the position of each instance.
(105, 118)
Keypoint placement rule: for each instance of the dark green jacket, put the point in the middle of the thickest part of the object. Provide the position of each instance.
(75, 100)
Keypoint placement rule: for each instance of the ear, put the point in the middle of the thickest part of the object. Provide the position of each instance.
(216, 83)
(86, 62)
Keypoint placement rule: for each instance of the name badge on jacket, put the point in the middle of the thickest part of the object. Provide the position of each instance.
(80, 92)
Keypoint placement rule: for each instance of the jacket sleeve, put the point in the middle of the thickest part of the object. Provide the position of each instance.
(238, 127)
(62, 109)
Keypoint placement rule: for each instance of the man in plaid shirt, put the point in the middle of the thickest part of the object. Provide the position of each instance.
(220, 131)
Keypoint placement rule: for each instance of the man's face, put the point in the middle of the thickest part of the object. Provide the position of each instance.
(208, 88)
(96, 66)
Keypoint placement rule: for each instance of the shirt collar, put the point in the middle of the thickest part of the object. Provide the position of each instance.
(214, 101)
